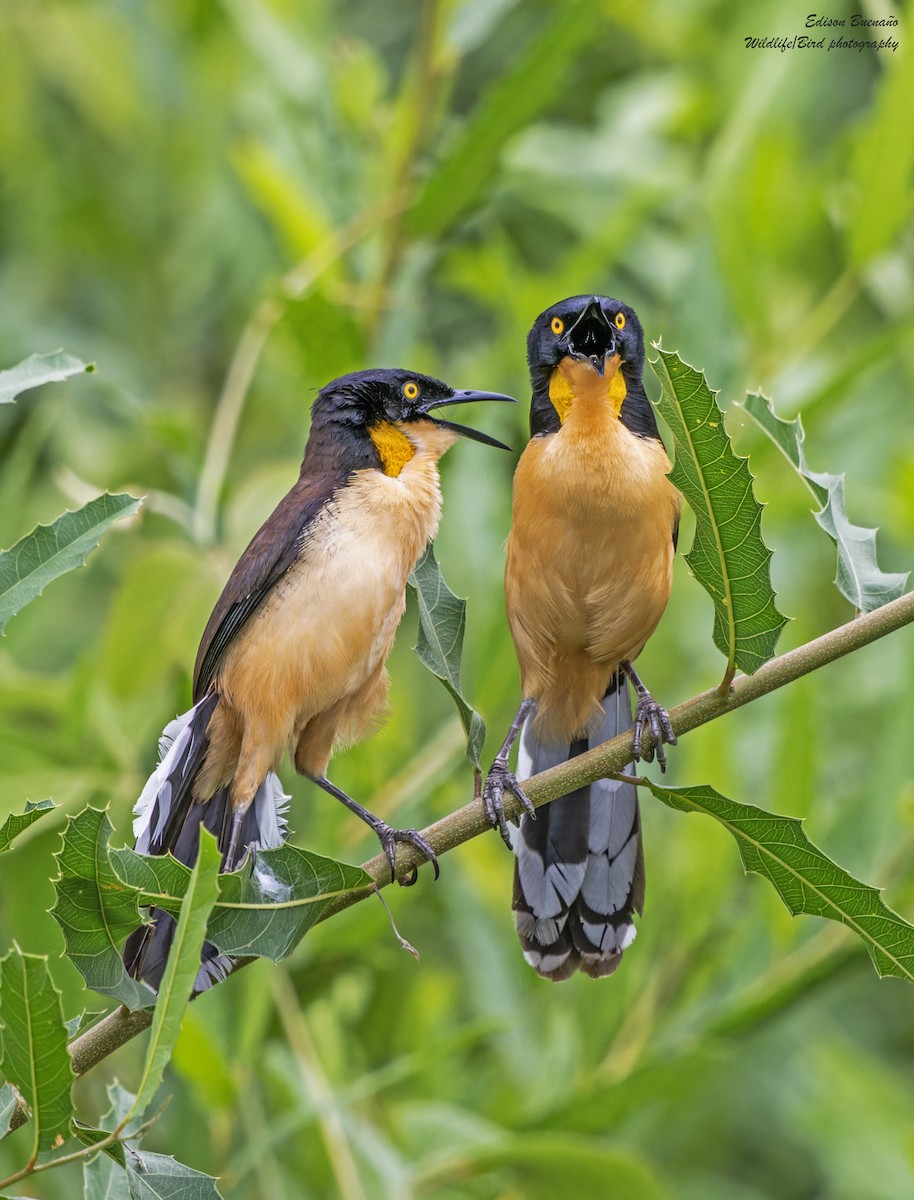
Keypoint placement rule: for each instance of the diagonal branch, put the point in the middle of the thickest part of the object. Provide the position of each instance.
(470, 821)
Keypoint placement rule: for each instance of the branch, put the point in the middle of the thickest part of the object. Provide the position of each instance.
(470, 821)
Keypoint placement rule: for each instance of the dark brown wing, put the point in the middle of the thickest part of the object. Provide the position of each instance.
(270, 554)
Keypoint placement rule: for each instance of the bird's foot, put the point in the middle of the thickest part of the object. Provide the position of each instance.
(652, 716)
(500, 780)
(389, 838)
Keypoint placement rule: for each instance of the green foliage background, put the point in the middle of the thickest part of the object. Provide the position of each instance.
(164, 167)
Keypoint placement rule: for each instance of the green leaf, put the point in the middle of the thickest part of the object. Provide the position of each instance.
(34, 1047)
(439, 644)
(267, 910)
(9, 1102)
(262, 909)
(181, 969)
(806, 879)
(105, 1176)
(96, 911)
(728, 557)
(76, 1025)
(464, 174)
(17, 823)
(859, 578)
(49, 551)
(881, 163)
(38, 369)
(159, 1177)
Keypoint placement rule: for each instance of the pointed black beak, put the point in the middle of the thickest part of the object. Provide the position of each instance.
(467, 397)
(592, 336)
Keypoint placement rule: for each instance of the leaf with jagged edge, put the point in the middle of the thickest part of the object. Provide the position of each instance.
(50, 551)
(439, 643)
(160, 1177)
(728, 556)
(9, 1102)
(264, 908)
(858, 577)
(805, 878)
(95, 911)
(37, 369)
(33, 1038)
(17, 823)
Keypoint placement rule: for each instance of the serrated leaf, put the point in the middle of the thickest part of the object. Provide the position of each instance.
(728, 557)
(858, 578)
(37, 369)
(96, 912)
(439, 643)
(34, 1054)
(9, 1102)
(105, 1176)
(805, 878)
(50, 551)
(180, 969)
(262, 909)
(266, 910)
(17, 823)
(76, 1025)
(159, 1177)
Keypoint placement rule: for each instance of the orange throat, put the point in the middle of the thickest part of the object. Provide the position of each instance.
(576, 382)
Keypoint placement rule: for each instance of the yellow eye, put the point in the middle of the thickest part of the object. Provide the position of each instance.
(558, 326)
(619, 320)
(410, 390)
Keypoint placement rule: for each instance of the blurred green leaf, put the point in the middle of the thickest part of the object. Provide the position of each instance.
(95, 911)
(514, 100)
(8, 1105)
(76, 1025)
(181, 968)
(34, 1054)
(728, 557)
(37, 369)
(17, 823)
(805, 878)
(859, 578)
(882, 161)
(49, 551)
(553, 1163)
(439, 644)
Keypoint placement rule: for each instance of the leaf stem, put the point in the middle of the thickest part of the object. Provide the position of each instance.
(470, 821)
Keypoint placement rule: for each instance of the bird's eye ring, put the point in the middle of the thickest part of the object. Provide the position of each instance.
(558, 326)
(619, 320)
(410, 390)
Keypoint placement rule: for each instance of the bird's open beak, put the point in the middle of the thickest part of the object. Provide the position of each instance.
(468, 397)
(592, 337)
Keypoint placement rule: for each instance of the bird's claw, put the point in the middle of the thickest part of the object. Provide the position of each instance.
(652, 716)
(389, 837)
(500, 780)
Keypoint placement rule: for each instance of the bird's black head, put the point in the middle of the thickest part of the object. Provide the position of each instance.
(598, 330)
(377, 417)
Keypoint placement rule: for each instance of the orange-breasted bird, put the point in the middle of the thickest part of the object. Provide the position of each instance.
(293, 656)
(588, 575)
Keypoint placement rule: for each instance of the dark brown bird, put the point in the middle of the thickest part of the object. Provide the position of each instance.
(588, 575)
(293, 656)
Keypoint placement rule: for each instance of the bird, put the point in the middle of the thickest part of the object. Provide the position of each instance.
(588, 575)
(293, 655)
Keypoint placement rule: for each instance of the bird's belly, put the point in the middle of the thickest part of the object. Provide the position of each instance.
(589, 557)
(329, 624)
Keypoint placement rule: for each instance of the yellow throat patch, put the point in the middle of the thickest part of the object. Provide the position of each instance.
(574, 379)
(394, 447)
